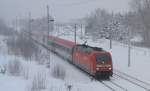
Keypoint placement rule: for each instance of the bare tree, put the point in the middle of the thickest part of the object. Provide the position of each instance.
(39, 82)
(59, 72)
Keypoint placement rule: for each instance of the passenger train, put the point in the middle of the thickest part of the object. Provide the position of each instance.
(93, 60)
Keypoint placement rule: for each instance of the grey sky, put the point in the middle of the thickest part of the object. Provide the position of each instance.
(62, 10)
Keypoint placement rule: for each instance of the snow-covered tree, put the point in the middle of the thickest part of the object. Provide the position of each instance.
(97, 22)
(102, 24)
(141, 15)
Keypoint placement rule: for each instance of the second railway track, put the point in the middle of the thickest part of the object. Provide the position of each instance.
(113, 86)
(138, 83)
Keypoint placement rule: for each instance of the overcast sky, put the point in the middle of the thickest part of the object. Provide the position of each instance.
(62, 10)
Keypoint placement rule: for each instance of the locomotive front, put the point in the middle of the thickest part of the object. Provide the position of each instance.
(103, 65)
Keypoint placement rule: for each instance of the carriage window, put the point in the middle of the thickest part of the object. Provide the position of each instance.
(100, 58)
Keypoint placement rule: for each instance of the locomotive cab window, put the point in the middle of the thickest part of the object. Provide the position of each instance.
(100, 58)
(84, 49)
(88, 50)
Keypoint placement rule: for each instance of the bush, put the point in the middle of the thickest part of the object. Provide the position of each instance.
(3, 69)
(39, 82)
(59, 72)
(40, 58)
(14, 67)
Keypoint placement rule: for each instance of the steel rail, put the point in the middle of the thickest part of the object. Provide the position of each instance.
(132, 77)
(118, 86)
(135, 83)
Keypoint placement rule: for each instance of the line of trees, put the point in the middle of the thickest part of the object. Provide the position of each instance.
(21, 45)
(36, 24)
(140, 18)
(116, 26)
(103, 24)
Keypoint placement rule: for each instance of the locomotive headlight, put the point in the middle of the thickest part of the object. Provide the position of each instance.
(109, 68)
(97, 68)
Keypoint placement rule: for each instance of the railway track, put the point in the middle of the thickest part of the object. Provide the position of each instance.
(113, 86)
(124, 89)
(133, 80)
(106, 85)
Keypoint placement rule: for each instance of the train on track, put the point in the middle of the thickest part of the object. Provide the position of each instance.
(93, 60)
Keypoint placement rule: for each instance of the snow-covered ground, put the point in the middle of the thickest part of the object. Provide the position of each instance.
(79, 81)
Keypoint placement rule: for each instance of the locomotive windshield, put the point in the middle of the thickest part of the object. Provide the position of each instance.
(84, 49)
(100, 58)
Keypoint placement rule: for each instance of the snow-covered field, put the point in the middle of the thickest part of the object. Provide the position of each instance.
(79, 81)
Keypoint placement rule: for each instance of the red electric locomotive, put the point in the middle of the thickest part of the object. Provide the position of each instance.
(93, 60)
